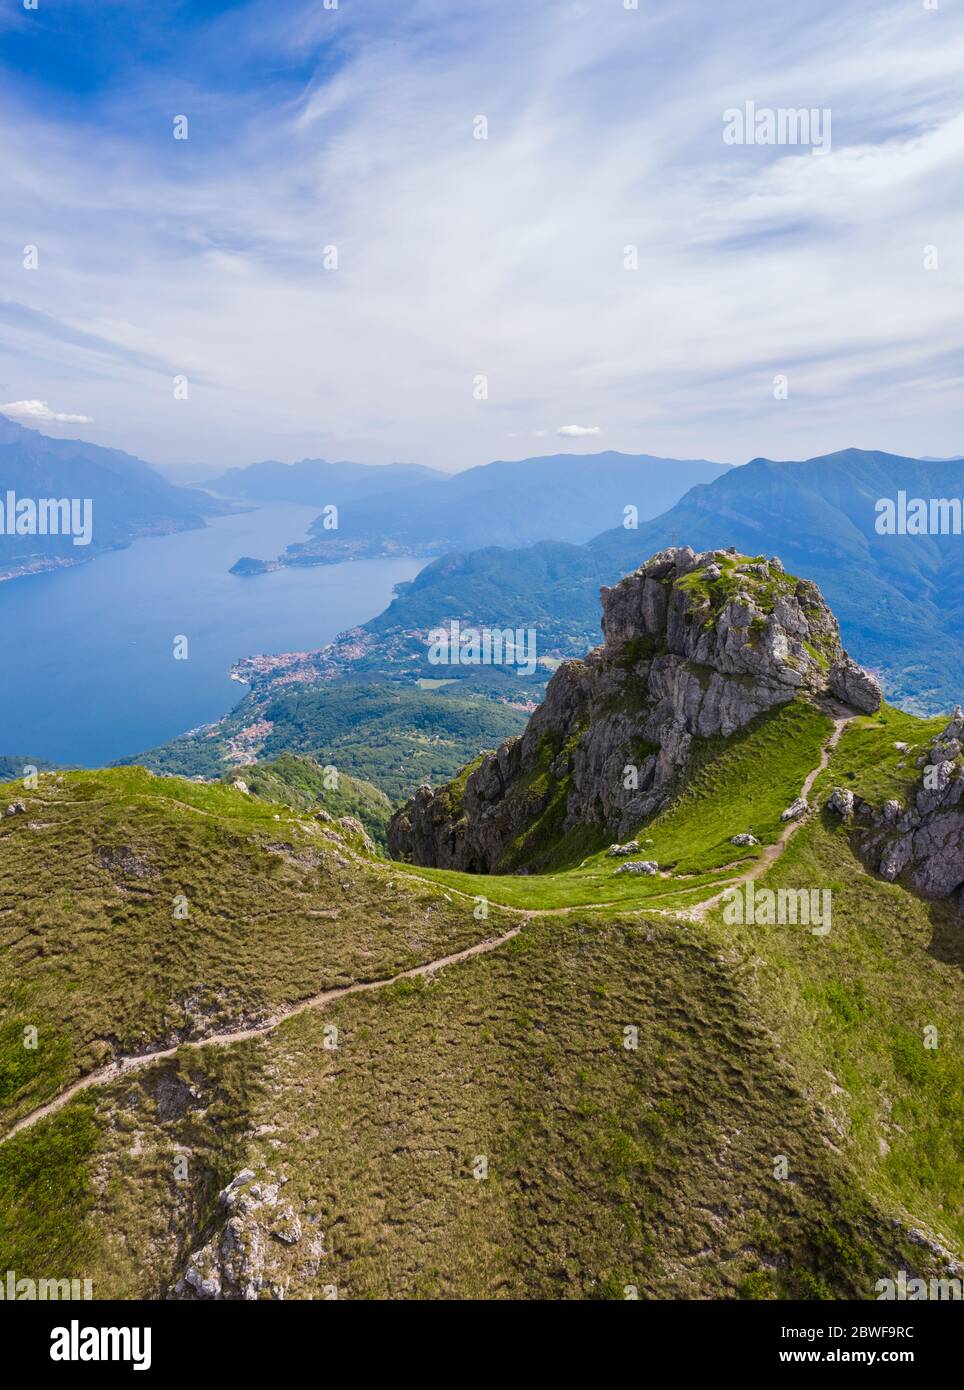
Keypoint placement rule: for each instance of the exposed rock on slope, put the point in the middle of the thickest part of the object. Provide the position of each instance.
(923, 843)
(245, 1257)
(695, 645)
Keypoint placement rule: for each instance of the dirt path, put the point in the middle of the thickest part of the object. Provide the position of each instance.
(692, 911)
(773, 852)
(125, 1065)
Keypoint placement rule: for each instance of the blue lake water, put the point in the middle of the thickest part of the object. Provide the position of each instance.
(88, 673)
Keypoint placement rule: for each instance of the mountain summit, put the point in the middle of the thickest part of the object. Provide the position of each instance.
(696, 646)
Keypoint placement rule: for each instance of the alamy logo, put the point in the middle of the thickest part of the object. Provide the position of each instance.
(806, 907)
(919, 516)
(783, 125)
(26, 1290)
(902, 1288)
(483, 646)
(76, 1343)
(47, 516)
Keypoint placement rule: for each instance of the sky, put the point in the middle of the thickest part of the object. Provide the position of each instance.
(334, 264)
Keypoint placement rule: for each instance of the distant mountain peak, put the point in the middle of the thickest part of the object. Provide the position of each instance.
(696, 646)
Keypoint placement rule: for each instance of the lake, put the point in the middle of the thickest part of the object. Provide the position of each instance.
(89, 674)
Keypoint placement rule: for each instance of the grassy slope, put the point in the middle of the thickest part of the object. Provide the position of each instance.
(851, 1008)
(738, 784)
(92, 955)
(301, 783)
(607, 1167)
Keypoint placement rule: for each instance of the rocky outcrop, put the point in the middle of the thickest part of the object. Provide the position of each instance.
(243, 1259)
(695, 646)
(922, 843)
(637, 866)
(841, 801)
(855, 686)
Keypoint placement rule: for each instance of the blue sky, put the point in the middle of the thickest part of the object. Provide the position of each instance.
(461, 258)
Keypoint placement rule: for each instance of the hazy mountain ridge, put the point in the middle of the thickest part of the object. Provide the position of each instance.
(899, 599)
(129, 498)
(900, 607)
(315, 481)
(399, 508)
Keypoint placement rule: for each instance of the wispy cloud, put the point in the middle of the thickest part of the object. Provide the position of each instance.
(578, 431)
(39, 412)
(333, 259)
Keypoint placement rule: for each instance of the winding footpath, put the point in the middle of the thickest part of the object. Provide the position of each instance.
(138, 1061)
(124, 1066)
(773, 852)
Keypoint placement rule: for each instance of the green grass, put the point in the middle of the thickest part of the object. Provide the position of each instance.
(46, 1197)
(28, 1071)
(92, 954)
(737, 784)
(607, 1166)
(852, 1009)
(866, 762)
(717, 593)
(301, 783)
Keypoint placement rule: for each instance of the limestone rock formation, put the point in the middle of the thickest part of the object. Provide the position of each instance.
(637, 866)
(842, 801)
(242, 1260)
(855, 686)
(922, 843)
(695, 646)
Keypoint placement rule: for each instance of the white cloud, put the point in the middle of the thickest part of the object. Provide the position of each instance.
(578, 431)
(508, 257)
(40, 412)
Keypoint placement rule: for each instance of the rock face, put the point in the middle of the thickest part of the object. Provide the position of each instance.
(695, 645)
(922, 844)
(855, 686)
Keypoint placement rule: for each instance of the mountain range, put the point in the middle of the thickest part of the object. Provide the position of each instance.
(899, 598)
(316, 482)
(400, 507)
(128, 498)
